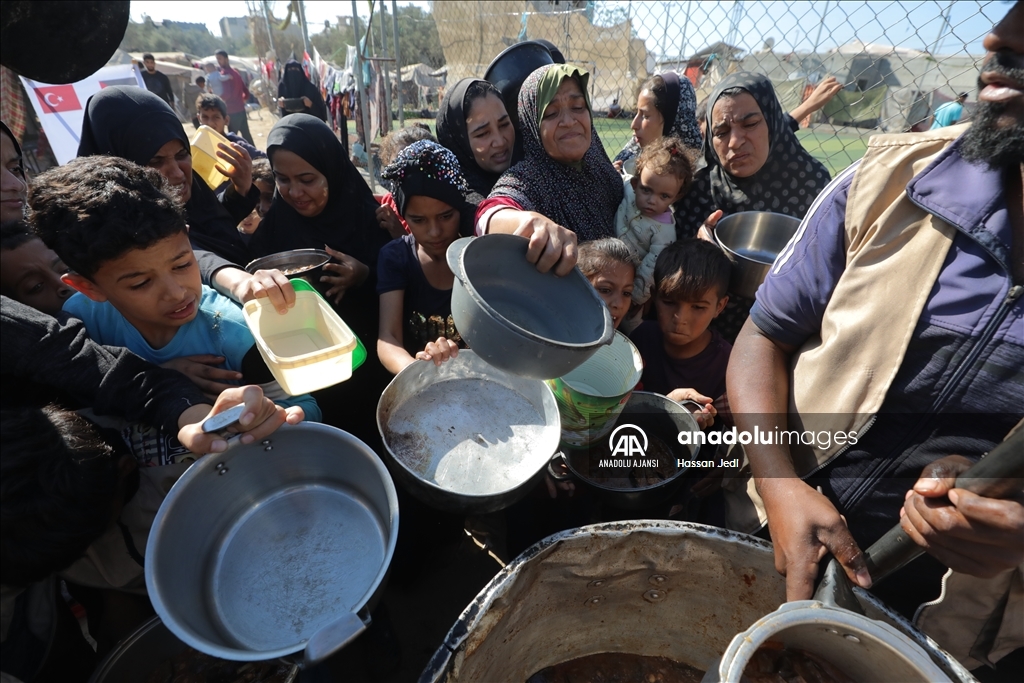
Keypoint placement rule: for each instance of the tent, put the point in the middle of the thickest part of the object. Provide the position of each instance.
(420, 84)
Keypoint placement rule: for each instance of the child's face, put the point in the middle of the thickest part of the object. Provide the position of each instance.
(684, 323)
(31, 274)
(157, 289)
(614, 282)
(433, 224)
(249, 223)
(214, 119)
(655, 193)
(266, 196)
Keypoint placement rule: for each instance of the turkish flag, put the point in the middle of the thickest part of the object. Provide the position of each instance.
(57, 98)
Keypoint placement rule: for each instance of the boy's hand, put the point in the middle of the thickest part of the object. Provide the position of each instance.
(238, 166)
(348, 272)
(204, 373)
(272, 284)
(705, 416)
(439, 351)
(260, 419)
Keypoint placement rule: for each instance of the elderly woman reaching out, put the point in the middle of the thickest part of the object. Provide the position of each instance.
(566, 188)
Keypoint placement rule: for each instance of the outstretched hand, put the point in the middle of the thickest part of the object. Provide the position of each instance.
(261, 418)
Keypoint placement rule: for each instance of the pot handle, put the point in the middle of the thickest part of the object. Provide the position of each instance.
(334, 636)
(454, 255)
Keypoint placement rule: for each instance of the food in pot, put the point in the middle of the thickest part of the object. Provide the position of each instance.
(618, 667)
(296, 271)
(192, 666)
(774, 663)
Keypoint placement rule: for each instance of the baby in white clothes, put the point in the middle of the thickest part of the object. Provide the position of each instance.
(644, 220)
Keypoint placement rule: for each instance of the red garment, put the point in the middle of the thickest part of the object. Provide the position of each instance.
(235, 93)
(492, 202)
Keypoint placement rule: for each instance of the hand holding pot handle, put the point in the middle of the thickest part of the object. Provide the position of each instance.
(707, 229)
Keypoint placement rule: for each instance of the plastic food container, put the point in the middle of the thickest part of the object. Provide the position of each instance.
(309, 347)
(204, 156)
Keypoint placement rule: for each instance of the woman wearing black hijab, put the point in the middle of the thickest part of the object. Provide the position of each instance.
(295, 86)
(321, 200)
(472, 122)
(136, 125)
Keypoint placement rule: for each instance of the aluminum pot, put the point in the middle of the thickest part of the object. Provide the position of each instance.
(752, 240)
(518, 319)
(659, 418)
(654, 588)
(865, 649)
(466, 436)
(135, 657)
(275, 547)
(307, 264)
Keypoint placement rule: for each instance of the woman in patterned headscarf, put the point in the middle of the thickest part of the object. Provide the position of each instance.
(665, 107)
(565, 188)
(752, 162)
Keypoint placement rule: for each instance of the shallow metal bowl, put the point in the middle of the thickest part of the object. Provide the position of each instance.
(257, 549)
(753, 240)
(307, 264)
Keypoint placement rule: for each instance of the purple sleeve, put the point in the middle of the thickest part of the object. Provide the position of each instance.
(791, 301)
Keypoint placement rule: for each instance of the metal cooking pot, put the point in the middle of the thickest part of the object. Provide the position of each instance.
(753, 240)
(510, 68)
(465, 436)
(274, 547)
(307, 264)
(654, 588)
(862, 648)
(518, 319)
(135, 658)
(659, 418)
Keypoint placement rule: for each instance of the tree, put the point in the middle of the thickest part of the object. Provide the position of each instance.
(170, 36)
(417, 37)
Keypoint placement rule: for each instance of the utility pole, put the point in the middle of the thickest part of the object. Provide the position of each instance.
(305, 41)
(682, 39)
(363, 104)
(387, 75)
(398, 63)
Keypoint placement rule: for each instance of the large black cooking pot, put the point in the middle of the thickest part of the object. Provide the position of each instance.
(510, 68)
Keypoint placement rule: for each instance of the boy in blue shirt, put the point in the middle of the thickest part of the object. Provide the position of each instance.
(126, 244)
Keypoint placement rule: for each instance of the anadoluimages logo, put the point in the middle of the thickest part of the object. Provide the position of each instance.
(627, 441)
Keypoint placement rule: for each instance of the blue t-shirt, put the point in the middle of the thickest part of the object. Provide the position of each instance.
(426, 310)
(218, 328)
(947, 114)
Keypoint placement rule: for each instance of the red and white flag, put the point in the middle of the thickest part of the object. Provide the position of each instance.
(58, 98)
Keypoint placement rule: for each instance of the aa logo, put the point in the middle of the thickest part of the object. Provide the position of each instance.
(628, 441)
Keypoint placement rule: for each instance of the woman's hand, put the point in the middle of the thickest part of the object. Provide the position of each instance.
(280, 102)
(307, 102)
(261, 418)
(966, 532)
(707, 228)
(705, 416)
(439, 351)
(272, 284)
(203, 372)
(238, 168)
(347, 273)
(551, 245)
(389, 220)
(805, 527)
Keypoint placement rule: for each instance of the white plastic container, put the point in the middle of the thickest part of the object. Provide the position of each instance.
(204, 156)
(307, 348)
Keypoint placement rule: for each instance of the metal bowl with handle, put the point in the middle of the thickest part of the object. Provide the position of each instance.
(274, 547)
(518, 319)
(307, 264)
(753, 240)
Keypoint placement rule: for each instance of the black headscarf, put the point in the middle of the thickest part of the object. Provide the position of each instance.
(583, 197)
(453, 134)
(295, 84)
(347, 223)
(133, 123)
(17, 148)
(425, 168)
(788, 182)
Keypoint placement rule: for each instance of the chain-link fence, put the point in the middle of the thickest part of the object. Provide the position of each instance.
(897, 61)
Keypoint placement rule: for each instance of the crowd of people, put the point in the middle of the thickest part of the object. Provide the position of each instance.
(896, 312)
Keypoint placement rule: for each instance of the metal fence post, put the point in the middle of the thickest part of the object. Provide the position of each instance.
(364, 106)
(398, 63)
